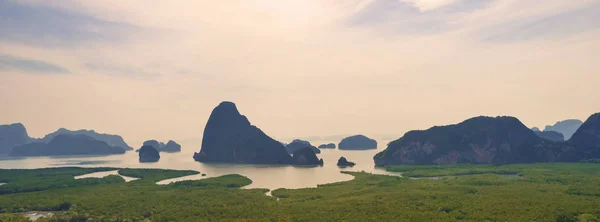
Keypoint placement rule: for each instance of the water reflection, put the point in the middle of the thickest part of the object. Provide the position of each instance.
(104, 174)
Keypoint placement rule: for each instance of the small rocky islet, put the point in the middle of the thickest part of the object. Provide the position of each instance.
(170, 147)
(357, 142)
(327, 146)
(343, 162)
(299, 144)
(148, 154)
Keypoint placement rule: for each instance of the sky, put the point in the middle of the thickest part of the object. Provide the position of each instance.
(295, 68)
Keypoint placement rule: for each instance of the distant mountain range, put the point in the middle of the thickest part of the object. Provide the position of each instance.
(499, 140)
(110, 139)
(14, 140)
(67, 144)
(566, 127)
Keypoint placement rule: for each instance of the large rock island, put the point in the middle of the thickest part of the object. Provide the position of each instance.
(66, 144)
(110, 139)
(229, 137)
(148, 154)
(357, 142)
(499, 140)
(11, 136)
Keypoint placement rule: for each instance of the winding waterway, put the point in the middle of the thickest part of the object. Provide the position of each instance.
(263, 176)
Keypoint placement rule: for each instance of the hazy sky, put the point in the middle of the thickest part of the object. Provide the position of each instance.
(296, 68)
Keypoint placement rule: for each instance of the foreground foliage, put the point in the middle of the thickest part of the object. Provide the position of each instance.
(534, 192)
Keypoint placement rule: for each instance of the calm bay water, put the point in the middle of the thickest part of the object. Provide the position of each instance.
(263, 176)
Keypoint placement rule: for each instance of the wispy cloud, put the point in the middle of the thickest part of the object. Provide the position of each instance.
(30, 65)
(421, 17)
(426, 5)
(586, 18)
(51, 26)
(122, 71)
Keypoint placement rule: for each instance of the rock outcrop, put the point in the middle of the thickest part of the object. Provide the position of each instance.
(171, 147)
(551, 135)
(65, 144)
(500, 140)
(152, 143)
(229, 137)
(357, 142)
(586, 140)
(11, 136)
(110, 139)
(148, 154)
(306, 156)
(327, 146)
(566, 127)
(343, 162)
(299, 144)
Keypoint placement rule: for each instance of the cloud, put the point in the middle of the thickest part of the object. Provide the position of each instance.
(328, 66)
(52, 26)
(414, 17)
(29, 65)
(583, 19)
(427, 5)
(121, 71)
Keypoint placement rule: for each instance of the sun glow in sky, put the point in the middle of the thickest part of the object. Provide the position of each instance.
(296, 68)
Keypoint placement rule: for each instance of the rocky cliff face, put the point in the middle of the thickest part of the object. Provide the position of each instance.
(357, 142)
(12, 135)
(586, 140)
(551, 135)
(499, 140)
(110, 139)
(65, 144)
(229, 137)
(306, 156)
(148, 154)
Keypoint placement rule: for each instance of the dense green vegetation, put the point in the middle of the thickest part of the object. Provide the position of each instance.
(541, 192)
(452, 170)
(230, 181)
(19, 180)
